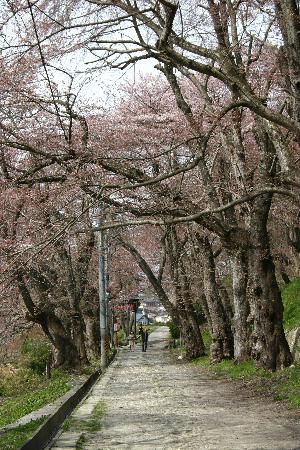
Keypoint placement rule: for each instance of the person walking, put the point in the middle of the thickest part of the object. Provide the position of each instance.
(131, 342)
(142, 335)
(146, 338)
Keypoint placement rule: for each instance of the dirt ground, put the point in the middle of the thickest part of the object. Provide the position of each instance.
(152, 402)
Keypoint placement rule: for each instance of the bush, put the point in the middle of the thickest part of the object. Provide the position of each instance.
(200, 314)
(36, 354)
(14, 381)
(174, 330)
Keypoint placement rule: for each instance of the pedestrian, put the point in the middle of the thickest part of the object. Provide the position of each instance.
(146, 338)
(142, 335)
(131, 342)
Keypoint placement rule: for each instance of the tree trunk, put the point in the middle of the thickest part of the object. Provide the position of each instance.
(67, 356)
(222, 339)
(269, 346)
(192, 338)
(78, 327)
(189, 327)
(241, 330)
(288, 19)
(204, 305)
(92, 335)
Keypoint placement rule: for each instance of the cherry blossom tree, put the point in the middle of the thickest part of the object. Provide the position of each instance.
(212, 141)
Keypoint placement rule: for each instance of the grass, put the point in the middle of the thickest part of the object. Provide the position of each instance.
(283, 385)
(291, 300)
(92, 367)
(229, 369)
(32, 399)
(91, 425)
(15, 380)
(206, 339)
(14, 439)
(288, 386)
(81, 441)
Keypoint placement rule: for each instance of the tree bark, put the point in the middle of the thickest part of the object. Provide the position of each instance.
(92, 333)
(222, 338)
(269, 346)
(67, 356)
(241, 329)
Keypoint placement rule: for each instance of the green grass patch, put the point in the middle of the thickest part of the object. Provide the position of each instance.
(81, 442)
(284, 385)
(206, 339)
(291, 301)
(229, 369)
(287, 385)
(31, 400)
(90, 425)
(92, 367)
(14, 439)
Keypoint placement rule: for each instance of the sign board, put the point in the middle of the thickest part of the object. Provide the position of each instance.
(122, 307)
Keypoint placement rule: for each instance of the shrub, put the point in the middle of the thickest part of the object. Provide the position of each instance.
(36, 354)
(15, 380)
(174, 330)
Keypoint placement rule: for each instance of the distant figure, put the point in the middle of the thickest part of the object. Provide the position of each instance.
(143, 337)
(146, 338)
(131, 342)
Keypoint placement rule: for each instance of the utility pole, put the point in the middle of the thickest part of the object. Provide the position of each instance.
(102, 249)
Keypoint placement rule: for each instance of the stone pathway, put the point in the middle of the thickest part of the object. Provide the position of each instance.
(153, 403)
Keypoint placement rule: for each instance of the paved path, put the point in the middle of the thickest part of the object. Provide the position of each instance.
(153, 403)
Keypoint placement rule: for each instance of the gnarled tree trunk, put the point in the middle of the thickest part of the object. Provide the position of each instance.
(222, 338)
(67, 355)
(269, 346)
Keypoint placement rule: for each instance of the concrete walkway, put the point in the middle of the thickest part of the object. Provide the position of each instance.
(153, 403)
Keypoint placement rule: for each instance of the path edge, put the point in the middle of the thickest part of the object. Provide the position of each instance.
(45, 434)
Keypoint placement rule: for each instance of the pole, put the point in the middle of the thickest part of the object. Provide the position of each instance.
(102, 297)
(135, 309)
(112, 332)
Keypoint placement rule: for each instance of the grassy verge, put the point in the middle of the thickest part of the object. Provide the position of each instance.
(291, 300)
(14, 439)
(283, 385)
(36, 395)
